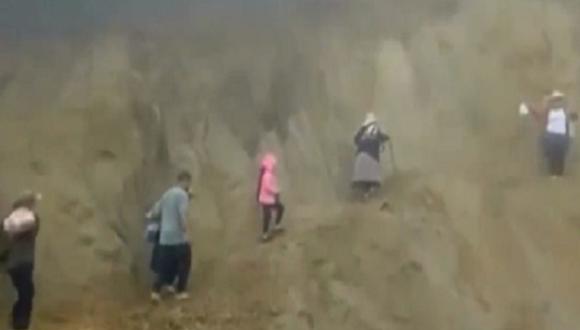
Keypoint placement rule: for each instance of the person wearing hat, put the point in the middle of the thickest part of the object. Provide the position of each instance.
(369, 141)
(557, 128)
(22, 227)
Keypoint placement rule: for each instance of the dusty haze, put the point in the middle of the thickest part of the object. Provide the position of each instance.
(101, 102)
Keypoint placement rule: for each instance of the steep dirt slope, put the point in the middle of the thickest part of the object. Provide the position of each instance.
(473, 238)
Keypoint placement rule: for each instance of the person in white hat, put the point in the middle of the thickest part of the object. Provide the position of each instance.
(369, 141)
(557, 127)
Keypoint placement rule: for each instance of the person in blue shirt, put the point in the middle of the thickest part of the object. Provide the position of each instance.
(174, 249)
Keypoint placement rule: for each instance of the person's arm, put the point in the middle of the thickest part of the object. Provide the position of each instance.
(539, 113)
(190, 194)
(383, 137)
(36, 225)
(260, 181)
(272, 184)
(275, 189)
(155, 212)
(182, 206)
(4, 244)
(359, 135)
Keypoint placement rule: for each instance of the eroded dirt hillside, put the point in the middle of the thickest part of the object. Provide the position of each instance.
(473, 237)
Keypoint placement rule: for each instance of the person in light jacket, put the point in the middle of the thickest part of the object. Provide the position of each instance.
(268, 195)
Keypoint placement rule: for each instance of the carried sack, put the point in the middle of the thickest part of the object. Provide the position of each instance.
(152, 232)
(19, 221)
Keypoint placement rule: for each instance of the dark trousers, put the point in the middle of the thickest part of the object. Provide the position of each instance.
(267, 211)
(366, 186)
(555, 149)
(23, 283)
(155, 263)
(174, 264)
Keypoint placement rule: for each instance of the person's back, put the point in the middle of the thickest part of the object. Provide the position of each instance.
(21, 255)
(173, 261)
(173, 210)
(22, 249)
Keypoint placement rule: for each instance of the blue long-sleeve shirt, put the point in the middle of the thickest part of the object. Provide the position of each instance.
(172, 210)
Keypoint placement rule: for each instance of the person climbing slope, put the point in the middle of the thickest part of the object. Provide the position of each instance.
(268, 195)
(152, 236)
(22, 227)
(556, 122)
(369, 141)
(174, 250)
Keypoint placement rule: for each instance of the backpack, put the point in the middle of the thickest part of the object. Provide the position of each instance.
(19, 221)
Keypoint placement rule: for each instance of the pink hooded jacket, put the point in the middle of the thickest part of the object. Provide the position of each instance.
(268, 188)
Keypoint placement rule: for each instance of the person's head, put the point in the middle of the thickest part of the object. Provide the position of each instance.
(27, 199)
(370, 118)
(269, 162)
(557, 100)
(184, 180)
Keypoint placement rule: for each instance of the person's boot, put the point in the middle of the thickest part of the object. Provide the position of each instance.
(155, 297)
(265, 237)
(170, 289)
(182, 296)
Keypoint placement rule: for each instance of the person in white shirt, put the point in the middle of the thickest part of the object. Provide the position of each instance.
(556, 122)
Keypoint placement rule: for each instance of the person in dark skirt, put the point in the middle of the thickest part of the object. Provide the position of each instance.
(369, 141)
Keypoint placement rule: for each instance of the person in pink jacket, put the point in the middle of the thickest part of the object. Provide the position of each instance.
(268, 195)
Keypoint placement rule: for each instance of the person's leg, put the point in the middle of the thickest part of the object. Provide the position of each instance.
(184, 267)
(367, 190)
(374, 187)
(160, 270)
(166, 267)
(22, 279)
(560, 155)
(279, 214)
(356, 190)
(266, 216)
(550, 154)
(155, 259)
(558, 161)
(173, 266)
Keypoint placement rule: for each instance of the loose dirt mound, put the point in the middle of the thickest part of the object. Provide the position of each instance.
(470, 236)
